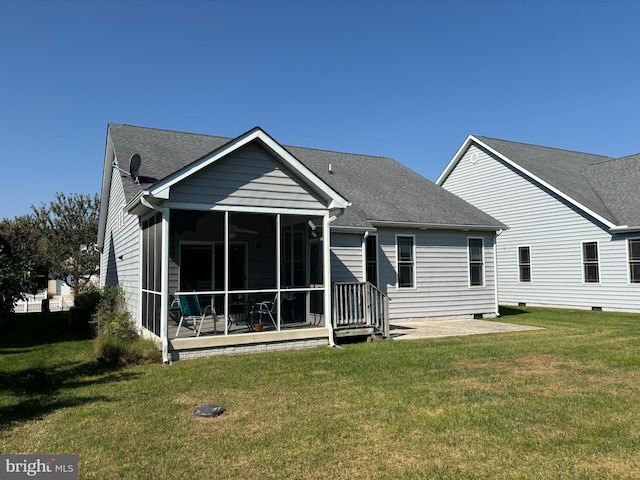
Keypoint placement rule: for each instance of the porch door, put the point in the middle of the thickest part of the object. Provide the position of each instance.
(196, 267)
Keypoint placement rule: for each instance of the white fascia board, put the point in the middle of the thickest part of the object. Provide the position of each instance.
(454, 161)
(471, 139)
(107, 174)
(162, 189)
(437, 226)
(337, 201)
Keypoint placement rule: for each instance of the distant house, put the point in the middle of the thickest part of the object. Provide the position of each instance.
(339, 241)
(573, 237)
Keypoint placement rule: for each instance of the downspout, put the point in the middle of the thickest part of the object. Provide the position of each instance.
(364, 255)
(164, 281)
(495, 270)
(328, 307)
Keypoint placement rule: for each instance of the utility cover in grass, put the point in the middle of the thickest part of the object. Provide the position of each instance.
(208, 411)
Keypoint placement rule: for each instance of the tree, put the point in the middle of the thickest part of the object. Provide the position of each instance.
(28, 244)
(70, 229)
(13, 279)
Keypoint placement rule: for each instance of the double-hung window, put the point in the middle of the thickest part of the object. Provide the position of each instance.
(590, 262)
(406, 261)
(476, 262)
(524, 264)
(634, 261)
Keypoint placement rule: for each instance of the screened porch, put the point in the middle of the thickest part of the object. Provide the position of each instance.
(241, 272)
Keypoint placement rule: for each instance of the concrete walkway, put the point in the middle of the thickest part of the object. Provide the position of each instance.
(450, 328)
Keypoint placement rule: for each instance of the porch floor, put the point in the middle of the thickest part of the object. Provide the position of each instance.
(210, 328)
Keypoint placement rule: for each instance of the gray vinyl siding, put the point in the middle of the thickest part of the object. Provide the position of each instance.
(121, 240)
(442, 273)
(554, 230)
(346, 258)
(247, 177)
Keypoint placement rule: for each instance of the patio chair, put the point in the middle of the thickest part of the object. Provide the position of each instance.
(192, 313)
(269, 308)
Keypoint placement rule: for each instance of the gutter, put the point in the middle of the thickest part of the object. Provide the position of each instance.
(624, 229)
(495, 271)
(438, 226)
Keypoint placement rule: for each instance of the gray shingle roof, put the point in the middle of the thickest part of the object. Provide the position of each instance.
(380, 189)
(163, 152)
(605, 185)
(617, 183)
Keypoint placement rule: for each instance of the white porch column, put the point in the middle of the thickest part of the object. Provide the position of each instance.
(226, 272)
(278, 270)
(164, 286)
(326, 270)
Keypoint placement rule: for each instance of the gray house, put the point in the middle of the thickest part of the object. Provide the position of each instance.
(310, 244)
(573, 237)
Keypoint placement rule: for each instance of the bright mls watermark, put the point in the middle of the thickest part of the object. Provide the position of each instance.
(50, 467)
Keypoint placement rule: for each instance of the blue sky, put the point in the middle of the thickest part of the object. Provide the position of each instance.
(405, 79)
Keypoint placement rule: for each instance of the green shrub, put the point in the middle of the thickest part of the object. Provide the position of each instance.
(87, 300)
(111, 316)
(118, 342)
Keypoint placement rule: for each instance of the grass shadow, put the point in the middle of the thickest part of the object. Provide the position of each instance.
(27, 330)
(509, 311)
(38, 391)
(36, 384)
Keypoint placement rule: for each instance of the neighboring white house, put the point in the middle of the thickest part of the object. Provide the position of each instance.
(323, 233)
(573, 219)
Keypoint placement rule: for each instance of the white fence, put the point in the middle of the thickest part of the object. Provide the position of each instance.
(33, 304)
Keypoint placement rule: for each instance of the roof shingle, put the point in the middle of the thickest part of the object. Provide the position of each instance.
(379, 188)
(607, 186)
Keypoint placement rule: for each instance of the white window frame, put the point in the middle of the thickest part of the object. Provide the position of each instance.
(629, 261)
(365, 260)
(412, 262)
(482, 262)
(522, 264)
(584, 262)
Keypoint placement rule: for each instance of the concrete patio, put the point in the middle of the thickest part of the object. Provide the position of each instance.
(451, 328)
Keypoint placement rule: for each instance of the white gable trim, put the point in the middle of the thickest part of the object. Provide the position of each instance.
(162, 188)
(471, 139)
(107, 172)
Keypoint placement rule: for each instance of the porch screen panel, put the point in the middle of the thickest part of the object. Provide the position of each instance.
(152, 273)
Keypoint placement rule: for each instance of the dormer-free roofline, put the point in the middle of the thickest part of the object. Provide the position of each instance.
(161, 189)
(472, 139)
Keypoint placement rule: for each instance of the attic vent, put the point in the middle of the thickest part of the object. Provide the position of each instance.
(474, 158)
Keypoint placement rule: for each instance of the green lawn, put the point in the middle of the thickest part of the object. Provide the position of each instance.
(558, 403)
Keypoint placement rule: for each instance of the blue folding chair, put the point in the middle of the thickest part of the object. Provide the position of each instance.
(192, 313)
(267, 308)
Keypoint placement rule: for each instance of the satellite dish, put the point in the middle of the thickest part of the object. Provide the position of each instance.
(134, 166)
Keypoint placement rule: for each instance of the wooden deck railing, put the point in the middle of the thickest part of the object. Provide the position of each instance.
(360, 304)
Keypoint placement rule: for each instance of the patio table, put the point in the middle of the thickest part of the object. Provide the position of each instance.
(241, 313)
